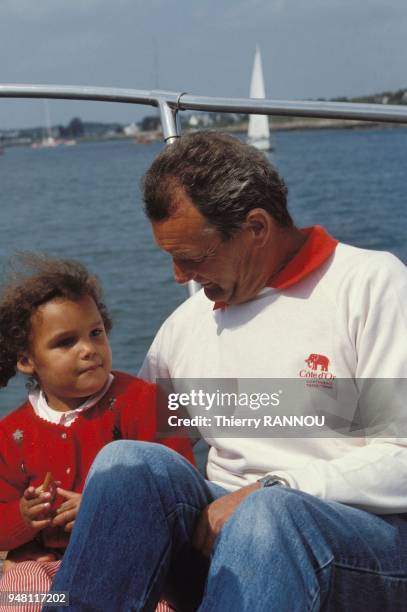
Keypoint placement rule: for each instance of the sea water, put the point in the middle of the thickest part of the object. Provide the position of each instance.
(85, 202)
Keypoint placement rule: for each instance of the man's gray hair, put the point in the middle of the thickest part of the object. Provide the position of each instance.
(223, 177)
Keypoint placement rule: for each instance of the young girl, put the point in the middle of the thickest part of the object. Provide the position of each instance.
(53, 328)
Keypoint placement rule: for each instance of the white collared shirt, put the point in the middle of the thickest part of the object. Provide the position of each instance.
(44, 411)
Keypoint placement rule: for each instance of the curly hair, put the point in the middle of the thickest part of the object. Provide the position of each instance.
(35, 279)
(223, 177)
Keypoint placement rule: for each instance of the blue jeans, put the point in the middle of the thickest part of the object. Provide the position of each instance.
(282, 549)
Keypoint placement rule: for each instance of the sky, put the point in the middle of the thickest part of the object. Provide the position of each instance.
(310, 49)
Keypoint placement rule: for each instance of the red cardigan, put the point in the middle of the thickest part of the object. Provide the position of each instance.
(31, 446)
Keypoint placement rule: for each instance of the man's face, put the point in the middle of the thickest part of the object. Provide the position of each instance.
(199, 253)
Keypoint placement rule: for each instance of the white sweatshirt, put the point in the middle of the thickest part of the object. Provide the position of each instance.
(346, 319)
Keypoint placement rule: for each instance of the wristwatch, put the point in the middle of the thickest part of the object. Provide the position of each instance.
(269, 480)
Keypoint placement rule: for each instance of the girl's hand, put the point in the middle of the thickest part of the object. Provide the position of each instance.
(66, 513)
(35, 508)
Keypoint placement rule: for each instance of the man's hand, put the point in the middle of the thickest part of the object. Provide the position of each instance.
(68, 510)
(35, 508)
(214, 516)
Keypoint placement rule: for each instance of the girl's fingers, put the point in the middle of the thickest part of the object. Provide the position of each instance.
(64, 518)
(33, 512)
(38, 500)
(67, 494)
(68, 527)
(41, 524)
(29, 493)
(68, 505)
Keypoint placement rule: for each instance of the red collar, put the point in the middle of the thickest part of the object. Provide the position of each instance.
(318, 246)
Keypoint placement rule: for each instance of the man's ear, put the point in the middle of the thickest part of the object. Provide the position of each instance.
(260, 224)
(25, 365)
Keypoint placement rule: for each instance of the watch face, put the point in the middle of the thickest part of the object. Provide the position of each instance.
(270, 481)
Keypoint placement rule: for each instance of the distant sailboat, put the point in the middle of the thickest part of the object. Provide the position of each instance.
(47, 141)
(258, 133)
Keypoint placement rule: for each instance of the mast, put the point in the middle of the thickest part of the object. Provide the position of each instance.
(47, 119)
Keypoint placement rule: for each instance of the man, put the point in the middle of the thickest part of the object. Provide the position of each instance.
(283, 523)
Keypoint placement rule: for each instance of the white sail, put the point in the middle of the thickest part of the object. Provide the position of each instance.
(259, 131)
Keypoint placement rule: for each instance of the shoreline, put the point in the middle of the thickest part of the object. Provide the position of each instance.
(280, 124)
(277, 124)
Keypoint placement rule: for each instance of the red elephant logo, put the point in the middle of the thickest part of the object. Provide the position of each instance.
(315, 360)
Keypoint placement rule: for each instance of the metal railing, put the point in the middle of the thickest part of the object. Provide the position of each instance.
(170, 103)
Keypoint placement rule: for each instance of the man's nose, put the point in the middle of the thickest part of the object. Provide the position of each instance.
(182, 274)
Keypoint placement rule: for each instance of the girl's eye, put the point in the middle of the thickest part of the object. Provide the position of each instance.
(97, 332)
(66, 341)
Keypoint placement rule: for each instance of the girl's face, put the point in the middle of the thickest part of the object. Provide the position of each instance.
(69, 351)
